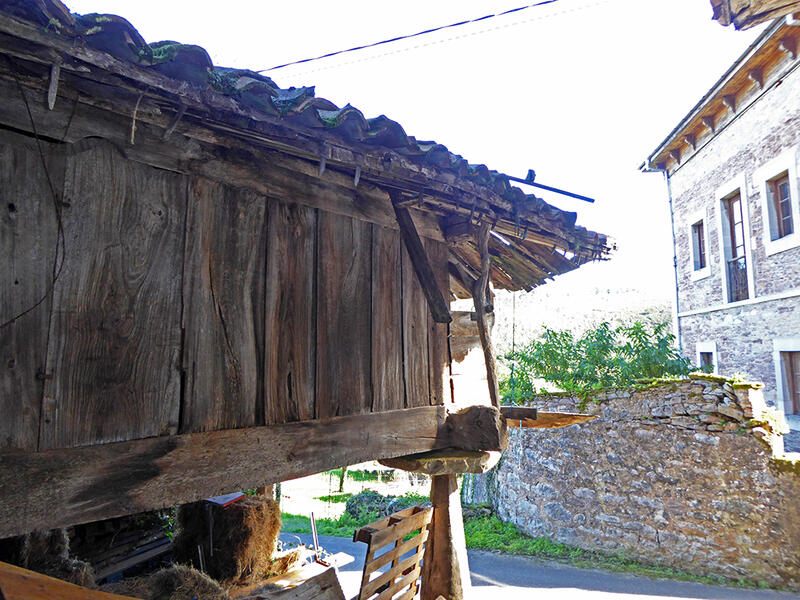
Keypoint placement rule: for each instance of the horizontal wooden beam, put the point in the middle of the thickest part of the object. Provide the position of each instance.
(56, 488)
(518, 412)
(550, 420)
(480, 428)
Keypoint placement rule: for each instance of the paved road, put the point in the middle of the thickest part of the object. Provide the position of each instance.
(519, 577)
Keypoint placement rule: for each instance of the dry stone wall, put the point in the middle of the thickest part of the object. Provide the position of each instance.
(679, 475)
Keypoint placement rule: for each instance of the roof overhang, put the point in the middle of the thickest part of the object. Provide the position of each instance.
(744, 14)
(761, 65)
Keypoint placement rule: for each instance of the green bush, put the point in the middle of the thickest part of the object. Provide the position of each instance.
(600, 359)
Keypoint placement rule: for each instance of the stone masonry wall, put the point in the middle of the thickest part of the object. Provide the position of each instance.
(674, 475)
(743, 335)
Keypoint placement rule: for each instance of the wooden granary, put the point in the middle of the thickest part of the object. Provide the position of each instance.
(209, 283)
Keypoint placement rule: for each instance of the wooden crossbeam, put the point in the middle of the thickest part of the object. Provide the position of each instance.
(56, 488)
(419, 259)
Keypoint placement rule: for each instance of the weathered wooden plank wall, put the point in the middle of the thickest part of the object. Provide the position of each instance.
(187, 305)
(291, 334)
(28, 237)
(387, 324)
(344, 317)
(113, 362)
(223, 299)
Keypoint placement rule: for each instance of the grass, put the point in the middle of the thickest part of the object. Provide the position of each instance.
(335, 497)
(344, 526)
(356, 475)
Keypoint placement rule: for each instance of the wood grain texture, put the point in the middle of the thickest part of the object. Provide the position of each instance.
(445, 566)
(57, 488)
(28, 238)
(290, 338)
(438, 355)
(415, 337)
(344, 321)
(387, 324)
(223, 308)
(17, 583)
(439, 307)
(114, 343)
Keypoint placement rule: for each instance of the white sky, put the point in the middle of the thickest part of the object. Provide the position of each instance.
(581, 91)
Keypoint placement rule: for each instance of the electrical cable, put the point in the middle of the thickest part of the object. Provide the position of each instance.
(440, 41)
(412, 35)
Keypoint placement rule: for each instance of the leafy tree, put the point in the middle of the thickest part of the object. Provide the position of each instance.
(601, 358)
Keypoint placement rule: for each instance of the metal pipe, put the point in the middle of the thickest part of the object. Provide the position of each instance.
(646, 168)
(529, 181)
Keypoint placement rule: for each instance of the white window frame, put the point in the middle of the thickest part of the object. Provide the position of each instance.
(738, 183)
(707, 347)
(788, 344)
(698, 274)
(785, 162)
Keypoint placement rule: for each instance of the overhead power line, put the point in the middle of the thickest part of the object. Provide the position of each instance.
(412, 35)
(452, 38)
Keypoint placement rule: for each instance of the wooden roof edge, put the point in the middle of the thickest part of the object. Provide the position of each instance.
(747, 15)
(660, 154)
(306, 144)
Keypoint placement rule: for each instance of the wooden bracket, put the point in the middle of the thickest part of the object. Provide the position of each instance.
(691, 140)
(323, 157)
(175, 121)
(422, 265)
(52, 90)
(729, 100)
(757, 77)
(708, 122)
(789, 46)
(676, 155)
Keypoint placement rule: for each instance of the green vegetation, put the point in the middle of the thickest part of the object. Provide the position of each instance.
(336, 498)
(602, 358)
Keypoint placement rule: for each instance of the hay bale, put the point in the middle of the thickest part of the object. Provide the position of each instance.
(47, 552)
(184, 583)
(133, 587)
(244, 535)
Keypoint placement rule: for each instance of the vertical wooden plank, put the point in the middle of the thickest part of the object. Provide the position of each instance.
(113, 356)
(438, 359)
(223, 295)
(344, 322)
(387, 324)
(28, 238)
(415, 337)
(290, 323)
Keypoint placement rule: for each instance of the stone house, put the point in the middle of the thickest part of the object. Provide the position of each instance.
(731, 168)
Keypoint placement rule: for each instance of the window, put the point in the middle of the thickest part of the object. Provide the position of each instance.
(699, 245)
(707, 356)
(698, 264)
(790, 365)
(786, 353)
(776, 182)
(735, 249)
(780, 207)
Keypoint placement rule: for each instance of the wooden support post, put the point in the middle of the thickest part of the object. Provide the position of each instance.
(419, 259)
(479, 290)
(445, 569)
